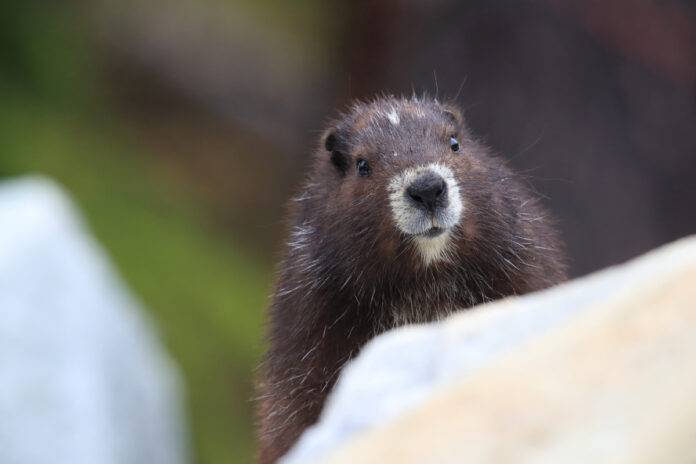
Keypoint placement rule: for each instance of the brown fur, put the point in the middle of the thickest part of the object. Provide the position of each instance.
(349, 273)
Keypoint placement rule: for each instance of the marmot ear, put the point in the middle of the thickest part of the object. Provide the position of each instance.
(333, 143)
(453, 115)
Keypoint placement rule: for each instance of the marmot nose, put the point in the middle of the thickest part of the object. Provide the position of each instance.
(428, 191)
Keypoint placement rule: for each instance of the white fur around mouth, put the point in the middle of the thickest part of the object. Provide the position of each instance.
(433, 249)
(415, 222)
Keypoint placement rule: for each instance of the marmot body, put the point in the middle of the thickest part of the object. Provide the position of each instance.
(404, 218)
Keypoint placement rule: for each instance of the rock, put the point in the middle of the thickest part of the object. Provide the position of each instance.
(601, 369)
(83, 378)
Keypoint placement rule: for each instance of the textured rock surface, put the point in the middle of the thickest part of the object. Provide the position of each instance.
(83, 379)
(601, 369)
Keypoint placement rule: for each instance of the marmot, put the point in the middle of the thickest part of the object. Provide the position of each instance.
(405, 217)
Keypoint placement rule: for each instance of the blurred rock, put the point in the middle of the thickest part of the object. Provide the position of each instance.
(83, 378)
(602, 369)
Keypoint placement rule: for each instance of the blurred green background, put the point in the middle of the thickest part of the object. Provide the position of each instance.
(181, 128)
(61, 115)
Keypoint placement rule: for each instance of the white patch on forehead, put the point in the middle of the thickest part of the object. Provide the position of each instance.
(394, 154)
(393, 117)
(413, 221)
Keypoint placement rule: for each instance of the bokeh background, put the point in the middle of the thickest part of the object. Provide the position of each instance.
(182, 127)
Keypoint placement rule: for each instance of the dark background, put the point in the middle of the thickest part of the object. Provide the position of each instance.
(181, 128)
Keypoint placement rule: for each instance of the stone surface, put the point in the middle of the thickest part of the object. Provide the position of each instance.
(601, 369)
(83, 378)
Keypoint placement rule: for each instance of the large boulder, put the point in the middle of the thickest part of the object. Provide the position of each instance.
(601, 370)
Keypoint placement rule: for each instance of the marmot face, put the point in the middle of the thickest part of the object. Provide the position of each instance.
(409, 158)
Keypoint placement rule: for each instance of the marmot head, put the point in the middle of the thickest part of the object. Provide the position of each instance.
(402, 166)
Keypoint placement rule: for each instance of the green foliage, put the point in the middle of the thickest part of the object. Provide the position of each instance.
(43, 51)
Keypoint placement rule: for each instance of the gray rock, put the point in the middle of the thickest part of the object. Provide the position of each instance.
(83, 378)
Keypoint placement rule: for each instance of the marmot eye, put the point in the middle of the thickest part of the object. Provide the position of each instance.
(454, 144)
(363, 167)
